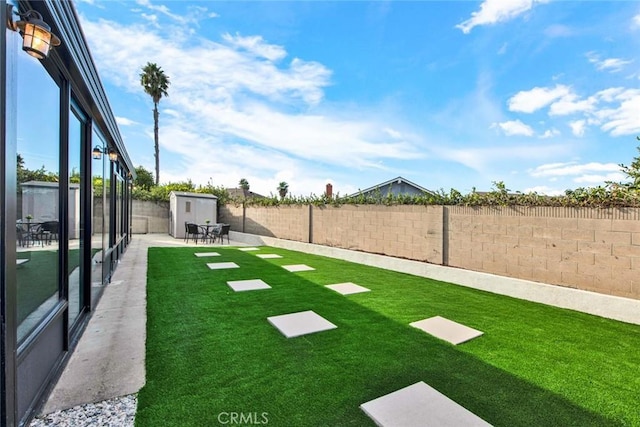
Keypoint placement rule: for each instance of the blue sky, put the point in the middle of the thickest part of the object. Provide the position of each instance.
(543, 95)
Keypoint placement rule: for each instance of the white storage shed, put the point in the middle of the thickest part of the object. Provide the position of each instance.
(190, 207)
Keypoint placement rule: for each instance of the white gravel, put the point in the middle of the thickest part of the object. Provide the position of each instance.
(117, 412)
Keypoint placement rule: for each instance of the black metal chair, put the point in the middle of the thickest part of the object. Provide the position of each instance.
(48, 231)
(195, 231)
(21, 234)
(220, 232)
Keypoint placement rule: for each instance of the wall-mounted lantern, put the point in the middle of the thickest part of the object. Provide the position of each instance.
(99, 151)
(37, 37)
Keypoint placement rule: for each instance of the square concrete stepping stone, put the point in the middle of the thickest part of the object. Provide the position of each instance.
(348, 288)
(297, 267)
(447, 330)
(247, 285)
(268, 256)
(202, 254)
(248, 249)
(419, 405)
(302, 323)
(222, 265)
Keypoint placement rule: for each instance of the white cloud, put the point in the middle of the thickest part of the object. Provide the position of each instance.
(536, 98)
(162, 9)
(609, 95)
(514, 127)
(393, 133)
(616, 110)
(578, 127)
(635, 21)
(571, 104)
(623, 119)
(236, 103)
(550, 133)
(572, 169)
(494, 11)
(481, 159)
(123, 121)
(544, 190)
(558, 30)
(599, 178)
(257, 46)
(610, 64)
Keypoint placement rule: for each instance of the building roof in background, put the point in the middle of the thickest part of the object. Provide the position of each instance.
(239, 193)
(189, 194)
(397, 180)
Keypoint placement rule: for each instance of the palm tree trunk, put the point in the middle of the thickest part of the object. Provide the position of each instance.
(157, 146)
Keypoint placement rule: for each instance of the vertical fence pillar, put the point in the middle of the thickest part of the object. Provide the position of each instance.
(445, 235)
(310, 223)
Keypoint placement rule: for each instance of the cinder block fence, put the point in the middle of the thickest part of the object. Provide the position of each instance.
(586, 248)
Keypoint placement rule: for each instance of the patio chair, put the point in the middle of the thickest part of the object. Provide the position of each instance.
(21, 235)
(48, 231)
(220, 232)
(195, 231)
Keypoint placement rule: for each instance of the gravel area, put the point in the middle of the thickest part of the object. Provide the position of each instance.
(117, 412)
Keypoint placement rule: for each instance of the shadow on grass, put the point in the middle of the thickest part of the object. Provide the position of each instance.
(212, 353)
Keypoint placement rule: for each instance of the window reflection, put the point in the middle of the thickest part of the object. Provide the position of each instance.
(38, 160)
(76, 223)
(98, 224)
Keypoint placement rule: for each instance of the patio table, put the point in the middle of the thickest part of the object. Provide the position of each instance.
(209, 230)
(27, 232)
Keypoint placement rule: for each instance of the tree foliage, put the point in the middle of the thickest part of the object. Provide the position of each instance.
(283, 188)
(244, 184)
(156, 84)
(25, 175)
(144, 178)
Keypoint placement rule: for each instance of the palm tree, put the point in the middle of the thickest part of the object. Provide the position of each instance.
(155, 84)
(244, 184)
(283, 188)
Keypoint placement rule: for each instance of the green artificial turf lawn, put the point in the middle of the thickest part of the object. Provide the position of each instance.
(211, 352)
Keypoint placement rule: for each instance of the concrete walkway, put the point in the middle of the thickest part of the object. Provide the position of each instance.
(108, 361)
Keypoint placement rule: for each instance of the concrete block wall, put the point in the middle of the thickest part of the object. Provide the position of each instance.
(590, 249)
(150, 217)
(284, 222)
(232, 215)
(412, 232)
